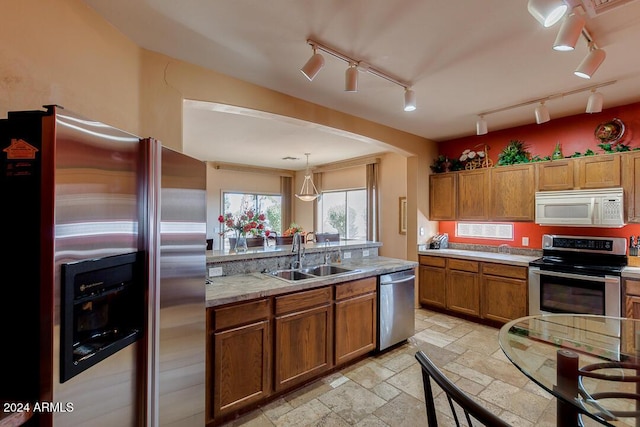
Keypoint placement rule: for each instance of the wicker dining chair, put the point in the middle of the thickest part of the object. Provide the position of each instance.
(458, 399)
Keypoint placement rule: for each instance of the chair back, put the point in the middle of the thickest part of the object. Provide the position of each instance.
(459, 401)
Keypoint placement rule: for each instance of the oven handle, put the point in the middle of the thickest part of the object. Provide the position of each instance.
(604, 279)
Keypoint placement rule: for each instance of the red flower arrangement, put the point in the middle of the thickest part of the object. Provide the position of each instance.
(246, 223)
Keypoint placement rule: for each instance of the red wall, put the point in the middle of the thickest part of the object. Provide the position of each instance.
(575, 133)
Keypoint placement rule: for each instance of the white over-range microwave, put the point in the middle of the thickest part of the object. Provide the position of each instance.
(581, 208)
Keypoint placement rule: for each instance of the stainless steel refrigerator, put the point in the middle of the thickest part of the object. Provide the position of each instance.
(103, 300)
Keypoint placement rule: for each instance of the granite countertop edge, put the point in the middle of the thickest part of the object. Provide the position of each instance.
(244, 287)
(519, 260)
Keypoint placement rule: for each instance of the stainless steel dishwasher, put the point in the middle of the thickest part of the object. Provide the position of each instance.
(396, 308)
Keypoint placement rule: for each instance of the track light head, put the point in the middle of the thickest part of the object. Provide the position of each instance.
(547, 12)
(351, 79)
(590, 63)
(542, 114)
(594, 103)
(313, 65)
(481, 126)
(409, 100)
(569, 33)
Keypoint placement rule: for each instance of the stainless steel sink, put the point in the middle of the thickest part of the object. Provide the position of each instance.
(315, 272)
(291, 275)
(325, 270)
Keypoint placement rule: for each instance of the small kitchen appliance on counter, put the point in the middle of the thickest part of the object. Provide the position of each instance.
(439, 241)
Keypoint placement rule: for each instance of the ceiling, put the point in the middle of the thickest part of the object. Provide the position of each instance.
(461, 58)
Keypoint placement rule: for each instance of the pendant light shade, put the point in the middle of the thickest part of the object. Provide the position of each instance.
(481, 126)
(351, 79)
(590, 63)
(308, 192)
(569, 33)
(409, 100)
(595, 101)
(313, 65)
(547, 12)
(542, 114)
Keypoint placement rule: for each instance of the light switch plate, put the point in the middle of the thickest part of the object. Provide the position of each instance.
(525, 241)
(215, 271)
(347, 255)
(365, 252)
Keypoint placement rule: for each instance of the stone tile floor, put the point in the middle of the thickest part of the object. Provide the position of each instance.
(386, 389)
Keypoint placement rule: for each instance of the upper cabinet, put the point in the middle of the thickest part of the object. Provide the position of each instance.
(474, 187)
(598, 171)
(602, 171)
(555, 175)
(442, 199)
(512, 193)
(631, 185)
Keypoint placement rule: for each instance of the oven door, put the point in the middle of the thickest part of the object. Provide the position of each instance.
(560, 292)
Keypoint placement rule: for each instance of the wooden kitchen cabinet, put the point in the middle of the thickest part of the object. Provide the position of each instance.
(463, 286)
(303, 336)
(631, 298)
(504, 292)
(442, 199)
(599, 171)
(555, 175)
(473, 193)
(240, 340)
(355, 319)
(631, 185)
(512, 193)
(432, 281)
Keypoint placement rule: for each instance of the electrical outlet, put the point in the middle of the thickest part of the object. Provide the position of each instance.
(346, 255)
(525, 241)
(365, 252)
(215, 271)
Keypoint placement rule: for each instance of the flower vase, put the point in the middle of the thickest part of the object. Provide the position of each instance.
(240, 243)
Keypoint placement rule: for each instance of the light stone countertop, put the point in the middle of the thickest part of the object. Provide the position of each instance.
(520, 260)
(243, 287)
(631, 272)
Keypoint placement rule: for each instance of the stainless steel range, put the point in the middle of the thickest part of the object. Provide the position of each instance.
(578, 275)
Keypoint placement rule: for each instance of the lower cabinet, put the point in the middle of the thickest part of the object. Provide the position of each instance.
(355, 319)
(463, 286)
(303, 336)
(239, 367)
(258, 348)
(504, 292)
(632, 298)
(486, 290)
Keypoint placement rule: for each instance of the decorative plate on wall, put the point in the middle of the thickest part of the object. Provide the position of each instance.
(610, 132)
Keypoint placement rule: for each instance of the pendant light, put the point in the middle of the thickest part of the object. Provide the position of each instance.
(306, 193)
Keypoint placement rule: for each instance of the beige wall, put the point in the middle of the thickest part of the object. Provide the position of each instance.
(60, 51)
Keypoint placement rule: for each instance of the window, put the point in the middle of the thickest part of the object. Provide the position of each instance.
(269, 204)
(344, 212)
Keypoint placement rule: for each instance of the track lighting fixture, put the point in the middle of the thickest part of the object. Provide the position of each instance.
(481, 126)
(351, 79)
(313, 66)
(409, 100)
(547, 12)
(595, 101)
(542, 113)
(591, 62)
(594, 105)
(308, 192)
(569, 32)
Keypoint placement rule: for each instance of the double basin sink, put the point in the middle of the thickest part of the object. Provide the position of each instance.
(322, 270)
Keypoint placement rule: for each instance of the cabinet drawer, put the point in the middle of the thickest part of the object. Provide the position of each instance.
(504, 270)
(462, 265)
(632, 287)
(240, 314)
(303, 300)
(433, 261)
(357, 287)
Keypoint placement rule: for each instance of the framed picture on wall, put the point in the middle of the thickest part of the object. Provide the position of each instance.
(403, 215)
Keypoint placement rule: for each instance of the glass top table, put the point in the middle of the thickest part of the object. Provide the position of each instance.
(590, 363)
